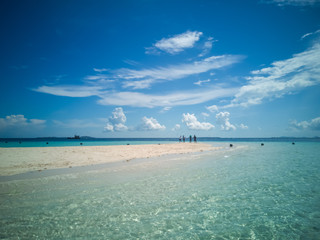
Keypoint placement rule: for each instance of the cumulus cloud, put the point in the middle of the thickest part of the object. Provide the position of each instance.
(224, 121)
(192, 122)
(149, 124)
(283, 77)
(109, 127)
(17, 125)
(120, 127)
(19, 120)
(313, 124)
(116, 122)
(242, 126)
(175, 44)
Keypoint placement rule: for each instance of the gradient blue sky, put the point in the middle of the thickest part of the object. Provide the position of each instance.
(158, 68)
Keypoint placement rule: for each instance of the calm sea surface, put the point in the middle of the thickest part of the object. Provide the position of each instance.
(245, 192)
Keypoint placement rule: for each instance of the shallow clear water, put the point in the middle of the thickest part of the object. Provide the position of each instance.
(71, 143)
(244, 192)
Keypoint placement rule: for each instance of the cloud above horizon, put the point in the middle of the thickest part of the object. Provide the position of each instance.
(19, 123)
(150, 124)
(179, 98)
(116, 122)
(313, 124)
(224, 121)
(110, 86)
(144, 78)
(192, 122)
(175, 44)
(282, 78)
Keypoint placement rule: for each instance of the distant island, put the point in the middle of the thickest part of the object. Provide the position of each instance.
(75, 137)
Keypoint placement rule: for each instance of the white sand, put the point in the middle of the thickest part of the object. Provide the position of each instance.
(20, 160)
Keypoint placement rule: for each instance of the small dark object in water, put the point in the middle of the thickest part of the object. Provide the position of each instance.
(81, 143)
(6, 141)
(47, 143)
(231, 145)
(19, 142)
(293, 143)
(128, 144)
(262, 144)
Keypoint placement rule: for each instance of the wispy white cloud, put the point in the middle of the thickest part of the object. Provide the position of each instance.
(313, 124)
(205, 114)
(294, 2)
(71, 91)
(149, 124)
(283, 77)
(105, 83)
(212, 108)
(175, 44)
(137, 99)
(143, 78)
(165, 109)
(207, 46)
(100, 70)
(192, 122)
(139, 79)
(310, 34)
(117, 120)
(176, 127)
(224, 121)
(76, 123)
(142, 84)
(200, 82)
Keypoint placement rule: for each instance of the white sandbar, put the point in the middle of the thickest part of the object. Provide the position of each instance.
(21, 160)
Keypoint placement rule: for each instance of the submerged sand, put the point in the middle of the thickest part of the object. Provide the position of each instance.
(21, 160)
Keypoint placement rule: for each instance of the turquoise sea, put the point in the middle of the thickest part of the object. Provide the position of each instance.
(248, 191)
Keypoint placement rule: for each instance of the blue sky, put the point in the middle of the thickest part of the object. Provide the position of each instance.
(151, 68)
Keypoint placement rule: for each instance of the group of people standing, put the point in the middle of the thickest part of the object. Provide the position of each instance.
(183, 138)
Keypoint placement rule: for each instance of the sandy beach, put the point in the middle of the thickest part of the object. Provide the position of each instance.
(21, 160)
